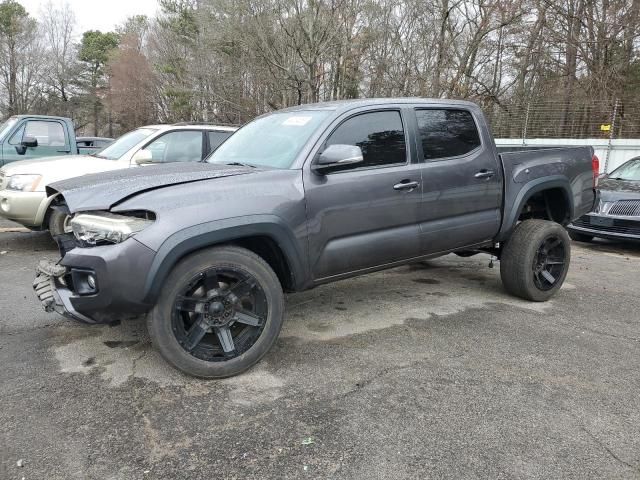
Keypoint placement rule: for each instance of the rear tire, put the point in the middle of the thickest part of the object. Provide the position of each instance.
(580, 237)
(59, 223)
(219, 312)
(535, 260)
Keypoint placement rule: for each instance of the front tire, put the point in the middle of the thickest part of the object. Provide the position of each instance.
(59, 223)
(219, 312)
(535, 260)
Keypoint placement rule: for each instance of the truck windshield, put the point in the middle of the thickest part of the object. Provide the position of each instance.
(629, 171)
(6, 126)
(272, 141)
(124, 143)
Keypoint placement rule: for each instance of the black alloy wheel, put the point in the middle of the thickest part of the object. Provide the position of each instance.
(219, 314)
(549, 262)
(535, 260)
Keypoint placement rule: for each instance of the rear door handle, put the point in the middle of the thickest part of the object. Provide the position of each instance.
(485, 174)
(406, 185)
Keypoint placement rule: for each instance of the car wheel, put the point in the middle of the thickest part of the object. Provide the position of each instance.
(580, 237)
(219, 312)
(535, 260)
(59, 223)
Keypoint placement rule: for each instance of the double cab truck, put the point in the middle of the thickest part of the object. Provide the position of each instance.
(25, 137)
(302, 197)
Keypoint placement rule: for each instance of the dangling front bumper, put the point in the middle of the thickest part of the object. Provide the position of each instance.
(102, 284)
(49, 289)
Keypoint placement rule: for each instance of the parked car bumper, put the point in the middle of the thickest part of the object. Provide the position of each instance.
(27, 208)
(119, 273)
(607, 226)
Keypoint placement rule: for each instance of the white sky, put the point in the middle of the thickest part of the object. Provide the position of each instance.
(101, 15)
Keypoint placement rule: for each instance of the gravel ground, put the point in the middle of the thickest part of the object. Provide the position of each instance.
(425, 371)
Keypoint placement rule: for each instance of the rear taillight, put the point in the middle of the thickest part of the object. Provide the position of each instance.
(595, 167)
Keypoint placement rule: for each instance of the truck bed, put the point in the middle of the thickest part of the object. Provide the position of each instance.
(528, 169)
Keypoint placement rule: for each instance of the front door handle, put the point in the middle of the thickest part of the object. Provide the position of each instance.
(406, 185)
(484, 173)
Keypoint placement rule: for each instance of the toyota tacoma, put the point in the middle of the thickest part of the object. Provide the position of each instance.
(298, 198)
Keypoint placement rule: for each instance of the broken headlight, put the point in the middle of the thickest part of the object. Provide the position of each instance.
(105, 227)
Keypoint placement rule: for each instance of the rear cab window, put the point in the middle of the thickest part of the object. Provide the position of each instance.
(445, 133)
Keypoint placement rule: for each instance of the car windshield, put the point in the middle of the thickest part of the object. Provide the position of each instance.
(628, 171)
(6, 126)
(123, 144)
(272, 141)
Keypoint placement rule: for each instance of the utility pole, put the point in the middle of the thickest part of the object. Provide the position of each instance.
(526, 123)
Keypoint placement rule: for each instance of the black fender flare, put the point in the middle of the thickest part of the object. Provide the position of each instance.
(216, 232)
(511, 213)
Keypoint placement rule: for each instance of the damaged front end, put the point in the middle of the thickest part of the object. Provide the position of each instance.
(50, 286)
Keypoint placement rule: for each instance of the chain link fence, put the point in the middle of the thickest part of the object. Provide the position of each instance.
(526, 120)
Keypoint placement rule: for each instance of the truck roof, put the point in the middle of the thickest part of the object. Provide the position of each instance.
(363, 102)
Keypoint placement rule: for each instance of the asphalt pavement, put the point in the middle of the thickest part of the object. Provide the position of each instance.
(424, 371)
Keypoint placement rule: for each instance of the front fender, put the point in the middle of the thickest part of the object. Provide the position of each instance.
(216, 232)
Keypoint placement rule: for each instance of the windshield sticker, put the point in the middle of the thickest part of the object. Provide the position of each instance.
(297, 121)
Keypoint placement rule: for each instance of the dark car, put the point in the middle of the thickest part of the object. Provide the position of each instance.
(617, 212)
(93, 144)
(302, 197)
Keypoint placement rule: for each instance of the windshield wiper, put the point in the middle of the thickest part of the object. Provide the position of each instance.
(240, 164)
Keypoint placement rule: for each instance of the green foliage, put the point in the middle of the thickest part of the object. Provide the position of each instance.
(179, 16)
(96, 46)
(11, 16)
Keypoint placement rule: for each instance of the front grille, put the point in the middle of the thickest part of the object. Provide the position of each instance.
(626, 208)
(3, 179)
(626, 227)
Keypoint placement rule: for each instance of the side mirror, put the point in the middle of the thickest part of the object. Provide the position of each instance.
(335, 156)
(142, 157)
(29, 142)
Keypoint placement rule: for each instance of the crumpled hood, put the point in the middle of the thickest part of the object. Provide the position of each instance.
(102, 191)
(612, 190)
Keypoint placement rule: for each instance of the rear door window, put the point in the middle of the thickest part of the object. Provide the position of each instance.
(446, 133)
(216, 139)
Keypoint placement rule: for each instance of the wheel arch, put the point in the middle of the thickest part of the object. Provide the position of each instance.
(546, 189)
(44, 211)
(268, 238)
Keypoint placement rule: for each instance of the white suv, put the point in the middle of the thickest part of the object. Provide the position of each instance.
(22, 184)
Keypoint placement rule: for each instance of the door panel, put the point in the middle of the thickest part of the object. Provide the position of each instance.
(461, 182)
(357, 219)
(51, 136)
(360, 221)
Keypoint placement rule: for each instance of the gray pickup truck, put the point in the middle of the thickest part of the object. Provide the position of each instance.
(301, 197)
